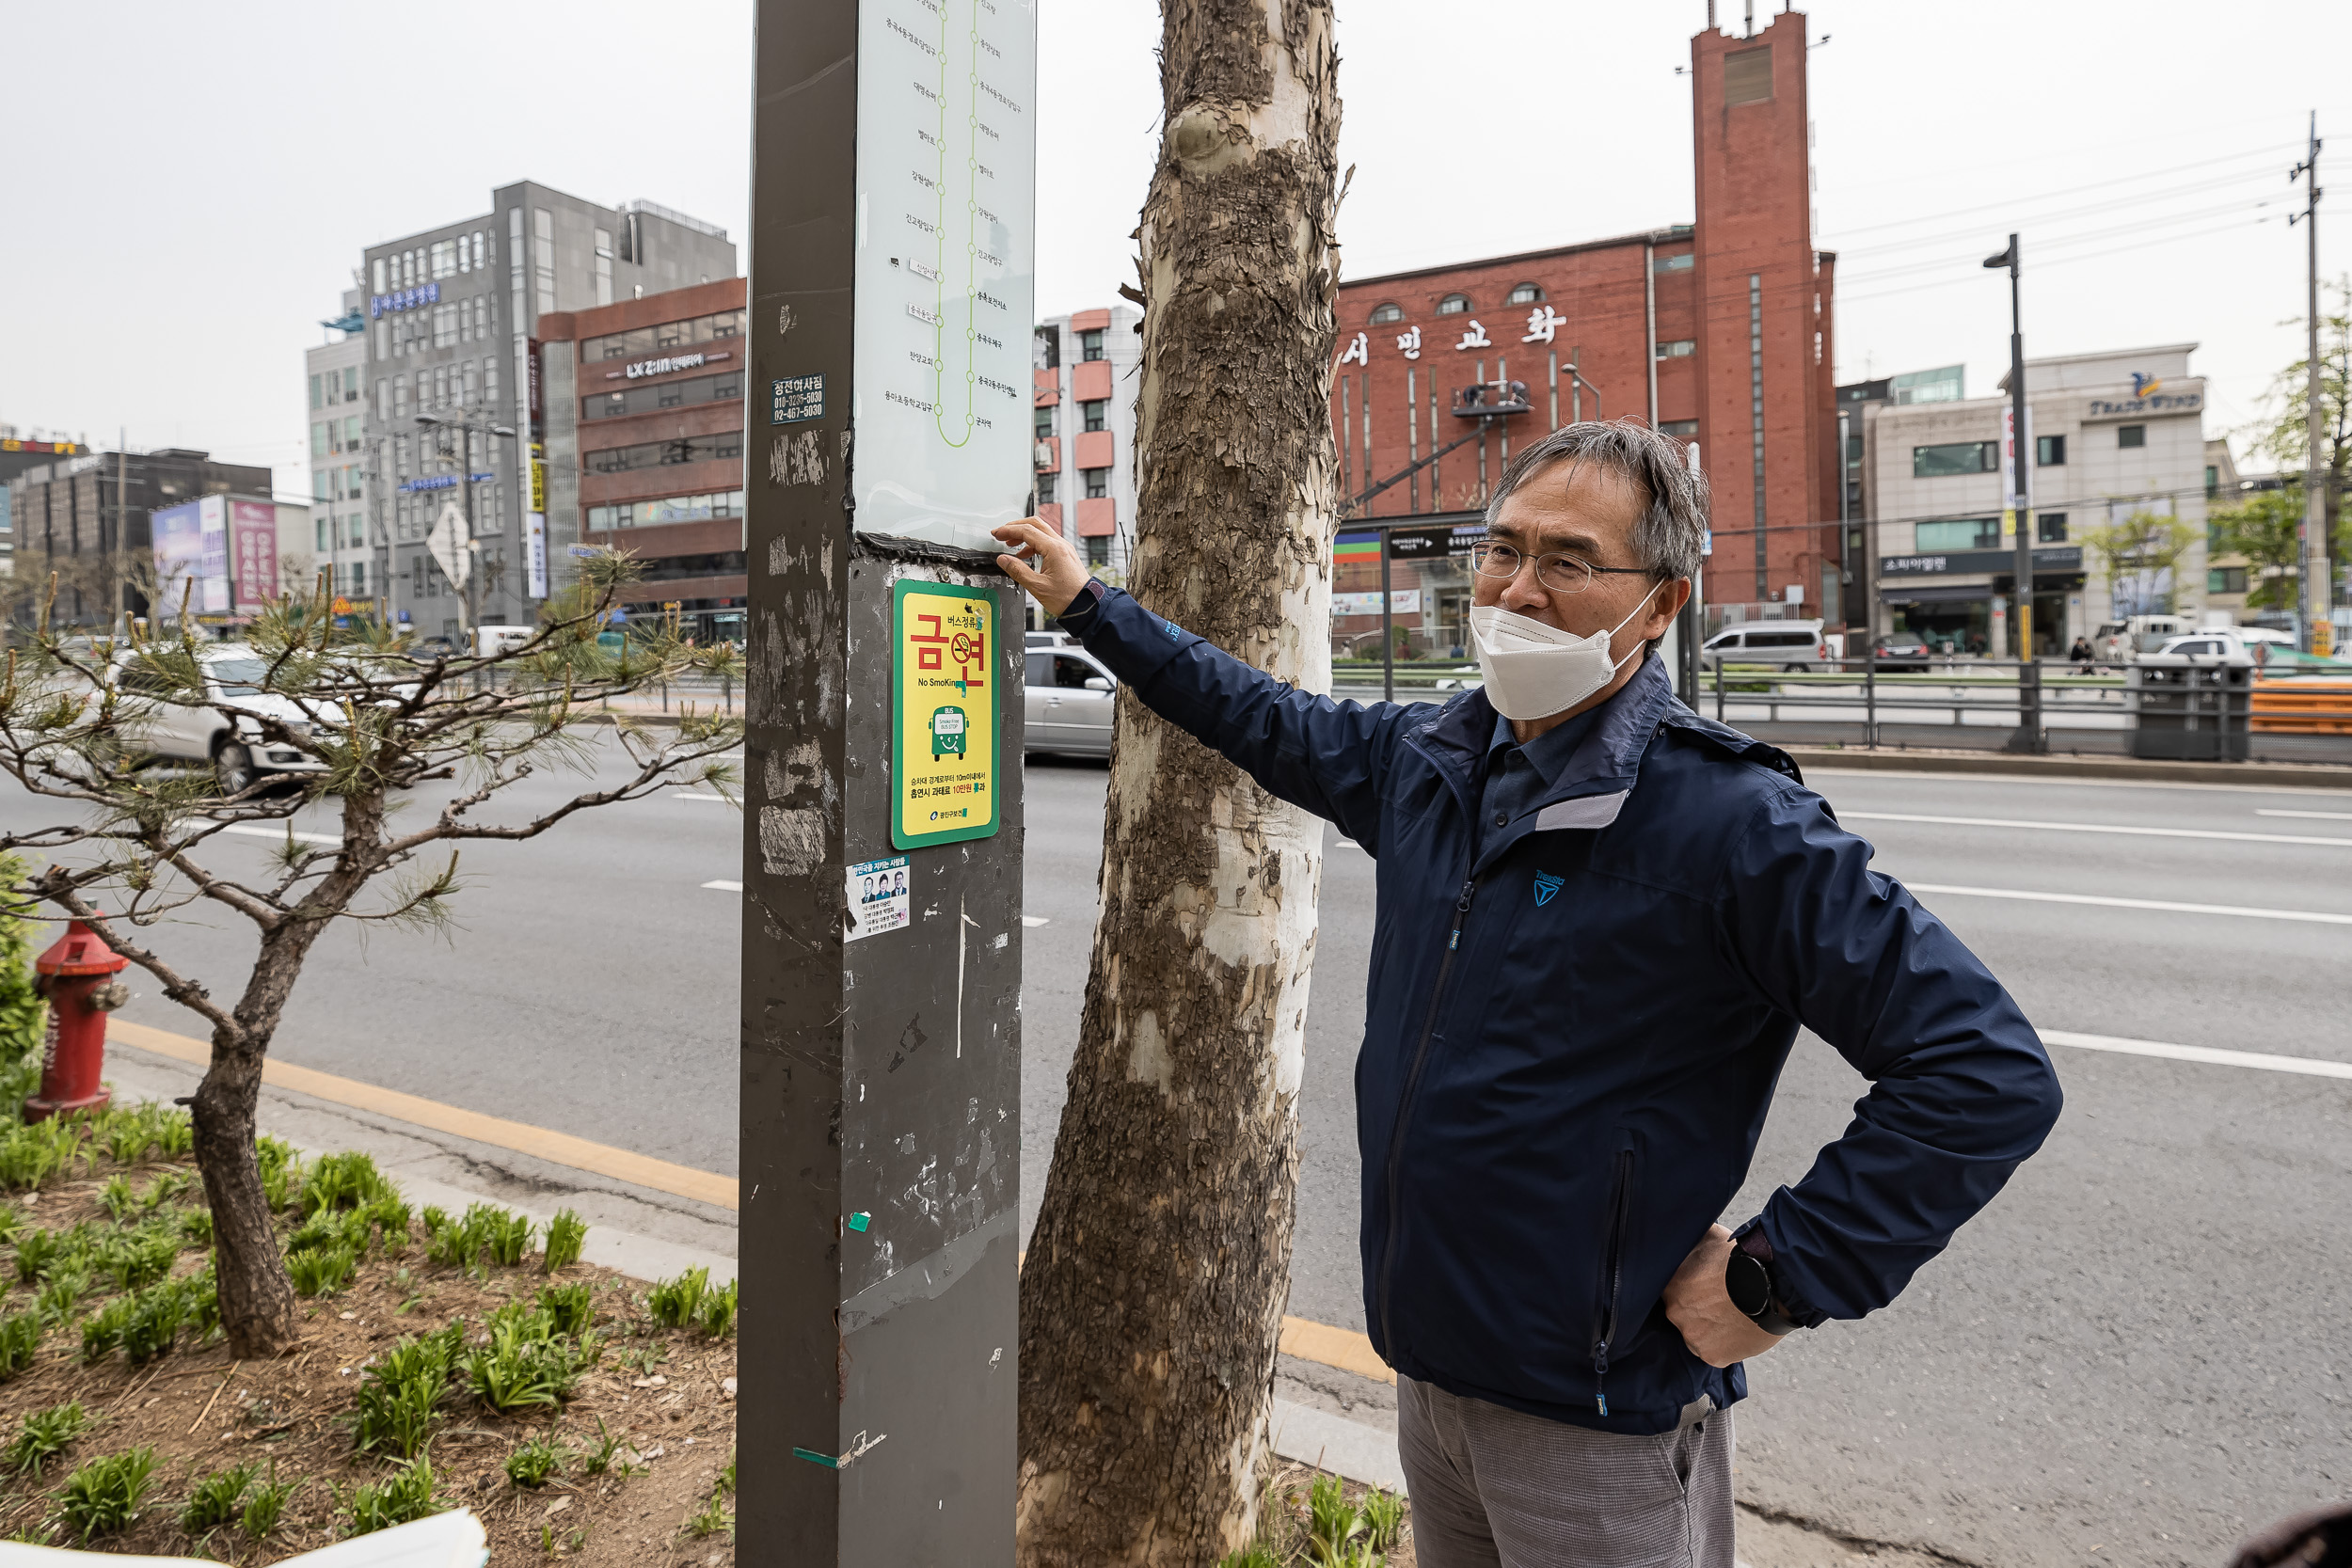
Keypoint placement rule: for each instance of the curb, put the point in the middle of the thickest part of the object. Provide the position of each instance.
(1328, 1442)
(2253, 775)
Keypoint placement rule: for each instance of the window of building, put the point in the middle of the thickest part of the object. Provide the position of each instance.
(359, 577)
(1091, 345)
(380, 286)
(1044, 420)
(383, 339)
(1955, 457)
(490, 380)
(670, 509)
(478, 252)
(1526, 294)
(1453, 305)
(357, 530)
(351, 383)
(319, 480)
(1679, 348)
(315, 391)
(604, 266)
(2212, 480)
(646, 341)
(1098, 482)
(1093, 410)
(653, 454)
(543, 255)
(1045, 489)
(318, 441)
(350, 433)
(1383, 314)
(1682, 430)
(1748, 76)
(2225, 580)
(2049, 527)
(326, 534)
(2130, 435)
(444, 259)
(1099, 550)
(2049, 451)
(1682, 260)
(1965, 533)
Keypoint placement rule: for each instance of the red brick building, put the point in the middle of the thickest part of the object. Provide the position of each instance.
(1717, 331)
(642, 406)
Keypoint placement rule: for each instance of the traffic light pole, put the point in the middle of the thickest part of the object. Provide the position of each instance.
(888, 429)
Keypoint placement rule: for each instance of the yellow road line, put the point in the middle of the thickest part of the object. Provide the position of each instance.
(1324, 1343)
(540, 1143)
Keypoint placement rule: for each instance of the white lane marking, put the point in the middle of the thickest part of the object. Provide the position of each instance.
(1033, 920)
(2328, 815)
(725, 887)
(2314, 916)
(2309, 1065)
(2089, 828)
(2302, 791)
(280, 834)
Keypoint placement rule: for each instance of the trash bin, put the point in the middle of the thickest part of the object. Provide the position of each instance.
(2191, 707)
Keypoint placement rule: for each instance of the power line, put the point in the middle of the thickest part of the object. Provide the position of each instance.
(2108, 183)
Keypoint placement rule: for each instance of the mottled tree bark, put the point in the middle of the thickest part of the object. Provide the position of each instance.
(1153, 1289)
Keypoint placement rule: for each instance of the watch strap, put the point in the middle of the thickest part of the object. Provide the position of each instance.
(1773, 1319)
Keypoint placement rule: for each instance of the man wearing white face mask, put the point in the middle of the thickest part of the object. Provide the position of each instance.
(1601, 920)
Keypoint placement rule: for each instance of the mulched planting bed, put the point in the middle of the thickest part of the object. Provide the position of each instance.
(650, 1485)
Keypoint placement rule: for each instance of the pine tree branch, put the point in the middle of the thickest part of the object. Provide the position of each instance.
(56, 886)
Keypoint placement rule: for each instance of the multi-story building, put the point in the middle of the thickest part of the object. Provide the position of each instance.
(86, 518)
(1082, 371)
(18, 453)
(2114, 434)
(1717, 331)
(338, 373)
(642, 402)
(449, 397)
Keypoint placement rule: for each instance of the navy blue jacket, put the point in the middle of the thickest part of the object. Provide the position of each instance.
(1572, 1034)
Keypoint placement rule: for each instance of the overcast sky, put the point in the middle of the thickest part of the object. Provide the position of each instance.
(192, 199)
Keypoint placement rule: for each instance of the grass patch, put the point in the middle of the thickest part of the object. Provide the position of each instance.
(43, 1435)
(403, 1500)
(102, 1496)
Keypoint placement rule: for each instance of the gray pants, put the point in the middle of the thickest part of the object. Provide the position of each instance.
(1495, 1488)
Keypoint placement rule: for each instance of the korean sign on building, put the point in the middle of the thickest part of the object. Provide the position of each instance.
(253, 549)
(404, 299)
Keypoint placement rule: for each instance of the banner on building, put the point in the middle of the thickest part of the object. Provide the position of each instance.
(1403, 601)
(253, 544)
(191, 545)
(536, 550)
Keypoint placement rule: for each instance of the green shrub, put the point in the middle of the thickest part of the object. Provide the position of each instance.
(312, 1234)
(571, 1308)
(116, 1198)
(37, 1252)
(520, 1370)
(346, 1180)
(102, 1331)
(391, 1215)
(716, 1316)
(445, 1240)
(266, 1505)
(715, 1518)
(140, 1257)
(24, 1016)
(606, 1455)
(196, 1227)
(12, 1223)
(128, 1136)
(33, 1153)
(318, 1271)
(175, 1132)
(532, 1464)
(154, 1321)
(168, 1185)
(675, 1302)
(400, 1391)
(216, 1499)
(103, 1495)
(20, 1340)
(61, 1294)
(505, 1235)
(1384, 1519)
(403, 1499)
(565, 1232)
(203, 1291)
(43, 1435)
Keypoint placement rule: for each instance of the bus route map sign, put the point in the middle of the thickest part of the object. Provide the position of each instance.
(943, 714)
(947, 197)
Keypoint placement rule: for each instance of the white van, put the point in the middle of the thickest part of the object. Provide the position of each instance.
(2117, 640)
(490, 641)
(1786, 644)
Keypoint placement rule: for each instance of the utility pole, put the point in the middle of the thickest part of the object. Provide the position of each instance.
(2315, 591)
(122, 492)
(2017, 506)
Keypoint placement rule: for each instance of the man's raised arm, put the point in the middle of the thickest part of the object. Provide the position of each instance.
(1325, 756)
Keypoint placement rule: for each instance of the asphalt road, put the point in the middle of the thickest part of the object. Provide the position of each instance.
(2138, 1355)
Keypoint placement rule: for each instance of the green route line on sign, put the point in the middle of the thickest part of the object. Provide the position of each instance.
(939, 328)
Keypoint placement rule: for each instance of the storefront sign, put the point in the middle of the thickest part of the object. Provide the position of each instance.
(2054, 558)
(536, 550)
(440, 481)
(1429, 544)
(664, 366)
(404, 299)
(2150, 399)
(1403, 601)
(942, 714)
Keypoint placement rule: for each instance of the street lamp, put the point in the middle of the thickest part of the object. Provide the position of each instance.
(2029, 735)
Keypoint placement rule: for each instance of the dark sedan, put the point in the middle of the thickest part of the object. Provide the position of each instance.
(1900, 653)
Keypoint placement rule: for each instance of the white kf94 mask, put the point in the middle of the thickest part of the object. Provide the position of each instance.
(1533, 670)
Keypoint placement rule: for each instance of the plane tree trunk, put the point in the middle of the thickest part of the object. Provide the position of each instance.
(1153, 1293)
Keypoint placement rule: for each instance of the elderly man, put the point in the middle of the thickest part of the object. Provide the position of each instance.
(1601, 920)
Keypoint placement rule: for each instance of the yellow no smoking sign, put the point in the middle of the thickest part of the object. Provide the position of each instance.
(943, 714)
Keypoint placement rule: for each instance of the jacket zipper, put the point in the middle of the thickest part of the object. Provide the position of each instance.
(1613, 1268)
(1404, 1104)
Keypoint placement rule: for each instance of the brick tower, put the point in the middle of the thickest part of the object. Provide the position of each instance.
(1766, 425)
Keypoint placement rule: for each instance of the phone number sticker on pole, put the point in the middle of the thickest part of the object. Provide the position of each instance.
(943, 714)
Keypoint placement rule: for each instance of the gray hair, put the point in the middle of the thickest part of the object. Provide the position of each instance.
(1673, 525)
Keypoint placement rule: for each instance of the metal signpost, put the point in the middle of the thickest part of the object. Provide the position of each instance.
(893, 192)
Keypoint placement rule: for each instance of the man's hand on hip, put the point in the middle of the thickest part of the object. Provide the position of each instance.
(1717, 1331)
(1057, 574)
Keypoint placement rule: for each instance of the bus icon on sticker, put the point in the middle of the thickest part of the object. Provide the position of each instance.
(947, 732)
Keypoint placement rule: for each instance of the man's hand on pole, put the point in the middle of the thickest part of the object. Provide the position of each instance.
(1056, 575)
(1697, 1304)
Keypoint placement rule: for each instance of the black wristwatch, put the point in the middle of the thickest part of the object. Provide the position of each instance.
(1748, 1278)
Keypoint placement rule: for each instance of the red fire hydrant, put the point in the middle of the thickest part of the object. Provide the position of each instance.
(77, 977)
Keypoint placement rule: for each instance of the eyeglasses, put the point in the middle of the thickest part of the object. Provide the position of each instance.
(1561, 574)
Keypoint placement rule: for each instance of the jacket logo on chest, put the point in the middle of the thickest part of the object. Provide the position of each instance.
(1546, 885)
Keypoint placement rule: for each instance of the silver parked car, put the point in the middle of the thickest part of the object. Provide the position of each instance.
(1790, 644)
(186, 733)
(1068, 705)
